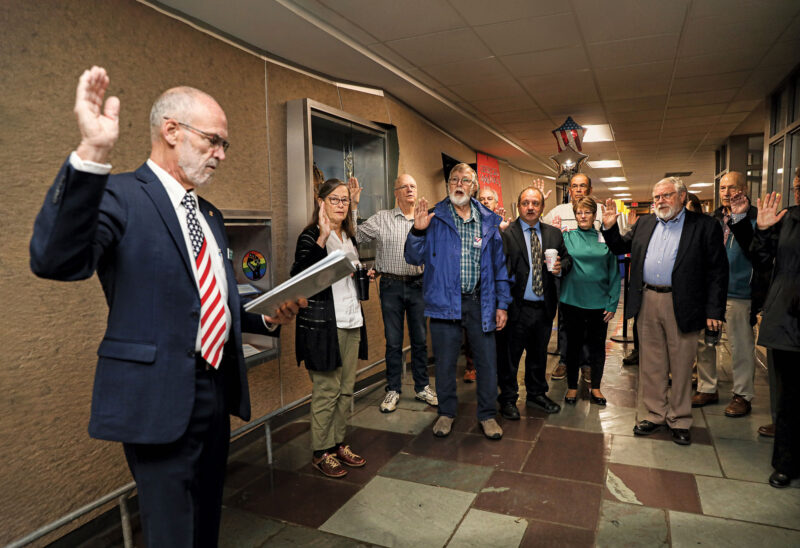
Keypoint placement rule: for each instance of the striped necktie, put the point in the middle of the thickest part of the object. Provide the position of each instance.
(212, 309)
(536, 264)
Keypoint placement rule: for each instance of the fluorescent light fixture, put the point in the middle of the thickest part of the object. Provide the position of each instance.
(622, 194)
(613, 179)
(603, 164)
(780, 169)
(597, 133)
(619, 188)
(699, 185)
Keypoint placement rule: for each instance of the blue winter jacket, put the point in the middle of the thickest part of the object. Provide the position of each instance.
(439, 249)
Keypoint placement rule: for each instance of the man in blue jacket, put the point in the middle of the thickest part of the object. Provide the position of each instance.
(465, 287)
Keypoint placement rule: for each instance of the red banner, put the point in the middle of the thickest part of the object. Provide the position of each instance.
(489, 176)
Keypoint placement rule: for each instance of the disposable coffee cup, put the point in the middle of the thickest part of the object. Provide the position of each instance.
(550, 257)
(712, 337)
(362, 283)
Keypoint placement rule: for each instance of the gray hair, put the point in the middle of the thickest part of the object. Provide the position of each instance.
(680, 188)
(179, 103)
(493, 191)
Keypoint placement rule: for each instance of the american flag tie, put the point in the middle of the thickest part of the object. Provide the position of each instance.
(212, 309)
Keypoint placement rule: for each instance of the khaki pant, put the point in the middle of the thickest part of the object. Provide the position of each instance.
(332, 393)
(664, 349)
(742, 345)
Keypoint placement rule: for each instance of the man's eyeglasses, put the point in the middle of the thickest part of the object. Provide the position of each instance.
(464, 181)
(334, 200)
(667, 196)
(213, 139)
(583, 186)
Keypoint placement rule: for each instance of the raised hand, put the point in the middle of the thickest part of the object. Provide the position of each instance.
(768, 211)
(739, 203)
(632, 217)
(538, 183)
(421, 216)
(556, 222)
(610, 214)
(355, 192)
(324, 225)
(98, 123)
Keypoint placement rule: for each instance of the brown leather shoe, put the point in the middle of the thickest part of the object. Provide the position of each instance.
(704, 398)
(560, 372)
(345, 455)
(328, 465)
(739, 407)
(767, 430)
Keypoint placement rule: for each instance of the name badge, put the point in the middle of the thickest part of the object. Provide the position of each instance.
(476, 243)
(600, 237)
(230, 254)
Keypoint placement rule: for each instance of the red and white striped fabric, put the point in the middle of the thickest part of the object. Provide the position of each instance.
(569, 134)
(212, 309)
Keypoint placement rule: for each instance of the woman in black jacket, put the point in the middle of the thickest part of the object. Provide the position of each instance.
(331, 335)
(778, 238)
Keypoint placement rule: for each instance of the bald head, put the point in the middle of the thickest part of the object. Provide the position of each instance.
(730, 185)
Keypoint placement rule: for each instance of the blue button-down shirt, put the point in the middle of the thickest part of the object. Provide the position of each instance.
(663, 249)
(526, 231)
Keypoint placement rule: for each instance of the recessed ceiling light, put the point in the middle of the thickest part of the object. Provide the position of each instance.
(613, 179)
(597, 133)
(698, 185)
(619, 188)
(603, 164)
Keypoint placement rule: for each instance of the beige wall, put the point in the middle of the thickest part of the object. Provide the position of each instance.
(50, 330)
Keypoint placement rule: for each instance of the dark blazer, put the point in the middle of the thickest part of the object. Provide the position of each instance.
(699, 276)
(316, 338)
(519, 266)
(125, 228)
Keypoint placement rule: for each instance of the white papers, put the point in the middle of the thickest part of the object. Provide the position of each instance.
(318, 277)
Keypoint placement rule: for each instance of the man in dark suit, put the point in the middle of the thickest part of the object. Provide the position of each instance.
(170, 366)
(531, 313)
(678, 286)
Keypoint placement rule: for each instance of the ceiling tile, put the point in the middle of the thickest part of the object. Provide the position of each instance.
(634, 81)
(424, 78)
(762, 81)
(583, 113)
(504, 104)
(636, 115)
(707, 121)
(392, 56)
(514, 116)
(562, 88)
(529, 125)
(692, 112)
(546, 62)
(487, 89)
(631, 18)
(657, 101)
(783, 52)
(648, 49)
(531, 34)
(701, 98)
(467, 72)
(729, 60)
(710, 82)
(440, 48)
(396, 20)
(481, 12)
(748, 27)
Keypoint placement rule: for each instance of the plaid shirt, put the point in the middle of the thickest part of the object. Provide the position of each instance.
(469, 231)
(390, 228)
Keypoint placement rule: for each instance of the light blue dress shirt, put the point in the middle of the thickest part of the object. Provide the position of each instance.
(526, 231)
(663, 249)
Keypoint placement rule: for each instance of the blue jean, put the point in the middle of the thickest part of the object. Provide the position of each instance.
(446, 337)
(397, 297)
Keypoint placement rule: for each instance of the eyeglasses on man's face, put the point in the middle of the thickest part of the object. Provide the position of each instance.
(335, 200)
(213, 139)
(576, 186)
(462, 181)
(665, 196)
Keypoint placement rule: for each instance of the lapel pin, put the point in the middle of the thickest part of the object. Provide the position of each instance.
(210, 213)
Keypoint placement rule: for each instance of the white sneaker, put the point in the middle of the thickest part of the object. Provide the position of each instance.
(428, 396)
(389, 403)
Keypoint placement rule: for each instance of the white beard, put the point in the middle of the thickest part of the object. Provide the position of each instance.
(194, 167)
(668, 214)
(459, 200)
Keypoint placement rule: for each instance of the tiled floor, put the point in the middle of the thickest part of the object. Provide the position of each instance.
(577, 478)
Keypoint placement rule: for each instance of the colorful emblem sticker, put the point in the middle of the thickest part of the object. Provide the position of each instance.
(254, 265)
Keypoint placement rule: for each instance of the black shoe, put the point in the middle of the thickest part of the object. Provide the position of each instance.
(681, 436)
(645, 428)
(779, 480)
(509, 411)
(544, 403)
(573, 400)
(632, 358)
(598, 401)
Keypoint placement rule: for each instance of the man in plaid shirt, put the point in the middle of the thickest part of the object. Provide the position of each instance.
(400, 290)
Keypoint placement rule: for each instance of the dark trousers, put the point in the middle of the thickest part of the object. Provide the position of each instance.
(180, 483)
(398, 297)
(446, 338)
(786, 451)
(585, 329)
(530, 331)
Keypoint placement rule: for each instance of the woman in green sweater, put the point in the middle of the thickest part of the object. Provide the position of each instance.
(589, 297)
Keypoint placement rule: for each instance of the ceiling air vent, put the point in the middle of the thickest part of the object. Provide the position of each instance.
(678, 174)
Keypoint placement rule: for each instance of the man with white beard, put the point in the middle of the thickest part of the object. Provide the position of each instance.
(465, 287)
(678, 286)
